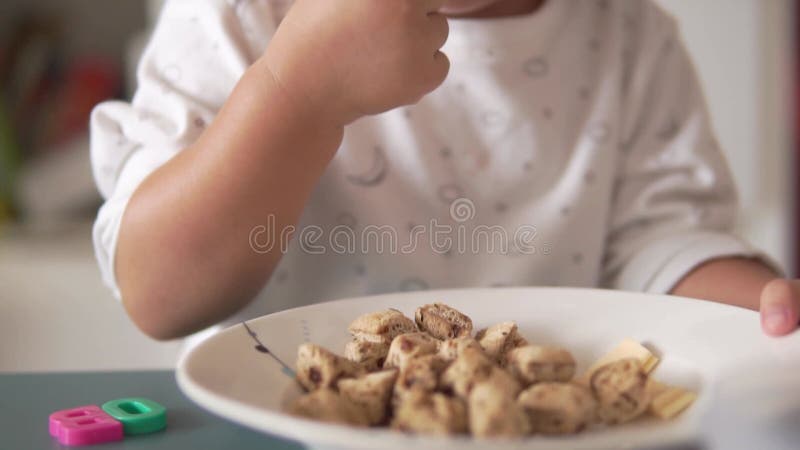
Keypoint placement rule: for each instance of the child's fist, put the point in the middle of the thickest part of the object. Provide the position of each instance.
(780, 306)
(350, 58)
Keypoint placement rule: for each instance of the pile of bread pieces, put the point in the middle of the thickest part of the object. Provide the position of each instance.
(429, 375)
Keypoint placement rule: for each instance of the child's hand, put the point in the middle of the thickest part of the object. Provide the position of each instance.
(350, 58)
(780, 306)
(749, 283)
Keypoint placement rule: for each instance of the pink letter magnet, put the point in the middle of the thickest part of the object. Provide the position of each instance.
(84, 425)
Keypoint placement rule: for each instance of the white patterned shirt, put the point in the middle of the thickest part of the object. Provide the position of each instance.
(569, 147)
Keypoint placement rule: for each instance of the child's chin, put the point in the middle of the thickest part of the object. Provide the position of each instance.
(460, 7)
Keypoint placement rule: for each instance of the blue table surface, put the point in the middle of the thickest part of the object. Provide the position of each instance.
(766, 418)
(27, 399)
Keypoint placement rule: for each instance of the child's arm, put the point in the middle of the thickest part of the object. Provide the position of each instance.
(750, 284)
(183, 258)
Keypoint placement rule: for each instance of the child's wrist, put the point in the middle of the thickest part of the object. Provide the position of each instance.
(307, 97)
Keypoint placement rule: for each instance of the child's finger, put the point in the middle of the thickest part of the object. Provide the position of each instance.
(440, 28)
(780, 307)
(432, 6)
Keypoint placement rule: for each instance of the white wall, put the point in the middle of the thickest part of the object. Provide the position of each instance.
(743, 52)
(56, 314)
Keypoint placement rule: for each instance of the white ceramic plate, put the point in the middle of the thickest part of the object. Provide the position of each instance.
(244, 373)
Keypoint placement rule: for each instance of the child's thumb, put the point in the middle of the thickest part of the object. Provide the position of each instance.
(780, 307)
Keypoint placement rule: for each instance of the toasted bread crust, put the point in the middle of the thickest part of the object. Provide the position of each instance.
(442, 321)
(371, 393)
(431, 414)
(499, 339)
(621, 391)
(557, 408)
(534, 363)
(381, 326)
(318, 367)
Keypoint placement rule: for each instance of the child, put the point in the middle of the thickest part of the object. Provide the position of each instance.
(580, 122)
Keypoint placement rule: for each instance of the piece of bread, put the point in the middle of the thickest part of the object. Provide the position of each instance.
(451, 349)
(328, 406)
(668, 401)
(499, 339)
(495, 413)
(628, 348)
(533, 364)
(422, 373)
(369, 354)
(503, 381)
(419, 374)
(427, 413)
(472, 367)
(621, 391)
(381, 326)
(371, 393)
(318, 367)
(557, 408)
(442, 321)
(407, 346)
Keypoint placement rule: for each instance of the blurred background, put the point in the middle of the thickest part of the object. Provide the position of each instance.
(59, 58)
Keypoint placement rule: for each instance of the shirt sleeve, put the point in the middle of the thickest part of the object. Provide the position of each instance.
(674, 202)
(198, 51)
